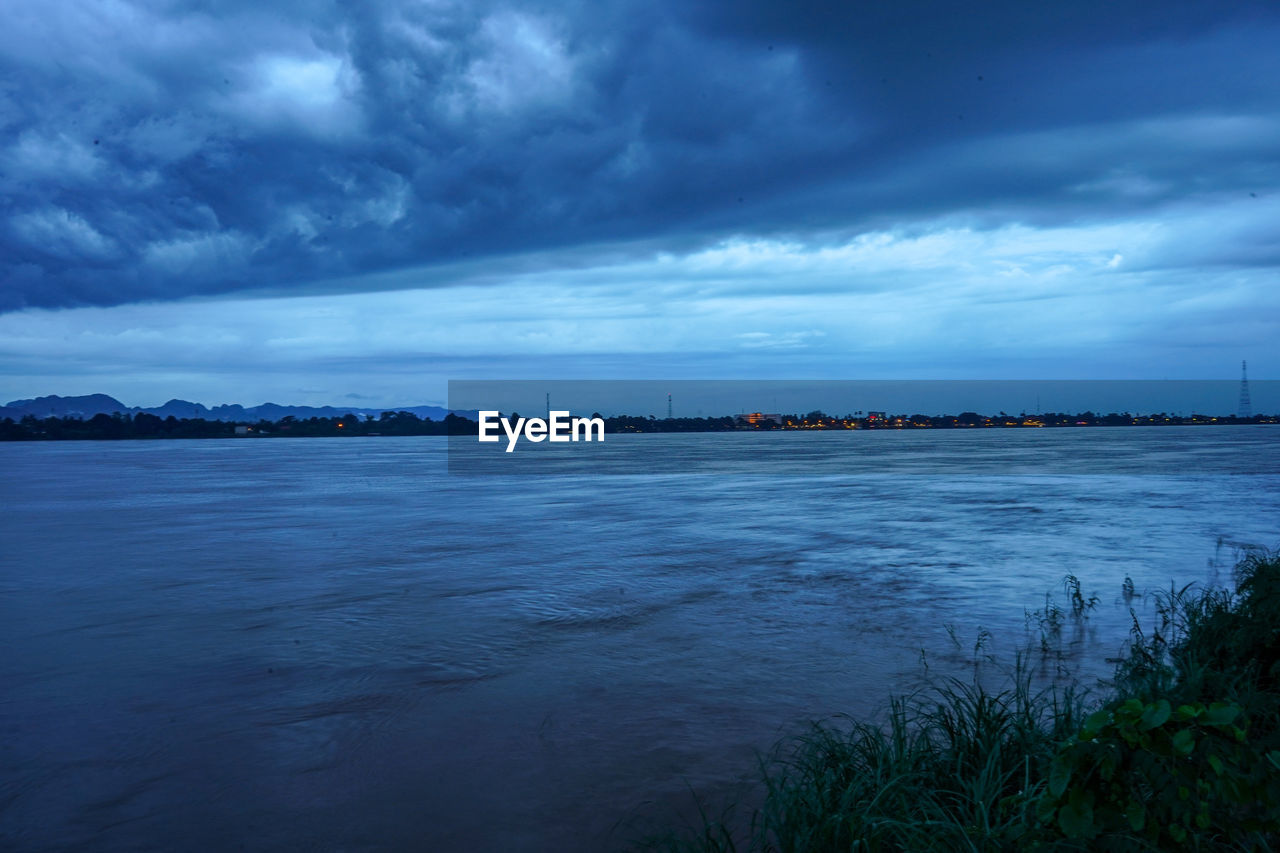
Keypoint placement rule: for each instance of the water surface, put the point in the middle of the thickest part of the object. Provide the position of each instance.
(334, 644)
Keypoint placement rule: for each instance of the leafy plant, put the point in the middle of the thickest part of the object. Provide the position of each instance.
(1148, 773)
(1080, 606)
(1127, 590)
(1048, 621)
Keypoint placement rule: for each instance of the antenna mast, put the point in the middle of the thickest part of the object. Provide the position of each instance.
(1245, 408)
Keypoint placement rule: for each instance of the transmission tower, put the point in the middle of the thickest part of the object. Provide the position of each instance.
(1245, 408)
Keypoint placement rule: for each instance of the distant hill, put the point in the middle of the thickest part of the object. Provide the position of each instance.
(95, 404)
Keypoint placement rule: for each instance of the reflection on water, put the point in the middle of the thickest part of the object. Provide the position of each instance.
(332, 644)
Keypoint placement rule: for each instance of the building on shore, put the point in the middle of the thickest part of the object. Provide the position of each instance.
(758, 419)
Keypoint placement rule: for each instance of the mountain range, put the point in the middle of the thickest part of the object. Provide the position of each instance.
(94, 404)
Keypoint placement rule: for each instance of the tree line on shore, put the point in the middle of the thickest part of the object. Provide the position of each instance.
(147, 426)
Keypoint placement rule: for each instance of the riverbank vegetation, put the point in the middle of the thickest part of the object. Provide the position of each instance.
(1181, 753)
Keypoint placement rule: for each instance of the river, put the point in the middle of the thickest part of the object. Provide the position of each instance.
(335, 644)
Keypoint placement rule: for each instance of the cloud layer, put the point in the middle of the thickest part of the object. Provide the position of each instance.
(1072, 301)
(157, 150)
(618, 177)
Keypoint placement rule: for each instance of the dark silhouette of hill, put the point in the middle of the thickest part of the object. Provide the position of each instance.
(102, 404)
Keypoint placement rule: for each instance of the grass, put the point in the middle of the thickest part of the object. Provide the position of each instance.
(1183, 753)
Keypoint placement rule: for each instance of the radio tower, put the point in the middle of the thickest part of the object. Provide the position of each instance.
(1245, 407)
(668, 407)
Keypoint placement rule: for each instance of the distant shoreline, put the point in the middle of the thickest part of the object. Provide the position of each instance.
(144, 426)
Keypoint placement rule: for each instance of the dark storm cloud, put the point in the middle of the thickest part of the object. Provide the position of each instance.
(153, 151)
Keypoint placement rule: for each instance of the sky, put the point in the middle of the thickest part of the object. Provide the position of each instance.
(353, 203)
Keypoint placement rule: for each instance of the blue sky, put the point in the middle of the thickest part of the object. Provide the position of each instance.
(352, 203)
